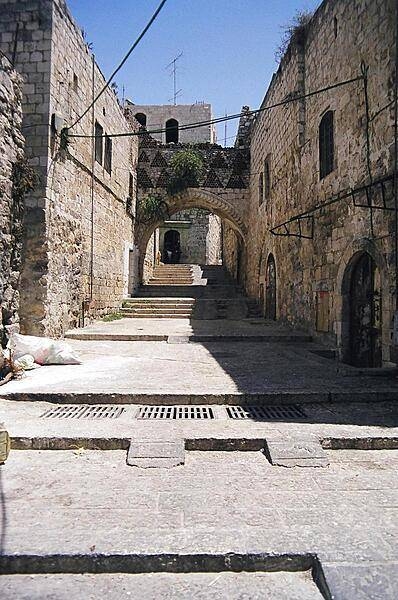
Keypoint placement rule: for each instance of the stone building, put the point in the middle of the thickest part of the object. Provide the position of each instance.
(190, 237)
(320, 253)
(170, 117)
(78, 254)
(11, 204)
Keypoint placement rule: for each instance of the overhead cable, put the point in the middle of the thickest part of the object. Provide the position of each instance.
(121, 64)
(227, 117)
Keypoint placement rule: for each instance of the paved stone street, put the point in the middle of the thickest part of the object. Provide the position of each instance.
(297, 505)
(91, 504)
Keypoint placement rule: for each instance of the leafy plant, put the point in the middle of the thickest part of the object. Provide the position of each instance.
(186, 170)
(24, 179)
(294, 32)
(152, 208)
(112, 317)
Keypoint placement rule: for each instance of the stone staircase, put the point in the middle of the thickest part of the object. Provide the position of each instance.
(190, 292)
(172, 275)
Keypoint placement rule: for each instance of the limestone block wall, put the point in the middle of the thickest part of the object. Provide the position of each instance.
(340, 36)
(79, 223)
(11, 153)
(158, 114)
(213, 240)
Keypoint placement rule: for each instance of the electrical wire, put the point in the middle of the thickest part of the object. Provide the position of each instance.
(161, 5)
(198, 124)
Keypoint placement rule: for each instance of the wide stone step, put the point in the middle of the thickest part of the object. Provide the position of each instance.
(152, 310)
(163, 315)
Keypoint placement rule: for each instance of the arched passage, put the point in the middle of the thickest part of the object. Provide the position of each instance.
(171, 247)
(362, 312)
(191, 198)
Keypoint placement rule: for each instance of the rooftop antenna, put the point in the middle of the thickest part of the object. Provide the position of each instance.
(173, 71)
(225, 130)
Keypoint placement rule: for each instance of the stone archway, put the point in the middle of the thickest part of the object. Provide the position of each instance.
(227, 206)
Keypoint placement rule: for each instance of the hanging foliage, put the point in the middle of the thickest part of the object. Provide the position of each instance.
(152, 208)
(24, 179)
(186, 169)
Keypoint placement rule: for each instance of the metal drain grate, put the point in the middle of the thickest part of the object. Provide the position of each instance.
(266, 413)
(175, 412)
(83, 412)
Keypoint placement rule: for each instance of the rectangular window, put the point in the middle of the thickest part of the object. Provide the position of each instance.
(326, 145)
(260, 189)
(99, 142)
(108, 154)
(267, 177)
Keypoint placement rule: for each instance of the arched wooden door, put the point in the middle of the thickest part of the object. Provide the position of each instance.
(270, 289)
(365, 314)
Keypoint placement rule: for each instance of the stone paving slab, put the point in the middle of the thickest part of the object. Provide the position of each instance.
(198, 586)
(146, 453)
(161, 329)
(362, 582)
(142, 372)
(296, 452)
(80, 503)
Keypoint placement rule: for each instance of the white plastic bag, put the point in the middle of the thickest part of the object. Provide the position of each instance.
(44, 350)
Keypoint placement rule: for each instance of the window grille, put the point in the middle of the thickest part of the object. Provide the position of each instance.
(326, 145)
(108, 154)
(99, 142)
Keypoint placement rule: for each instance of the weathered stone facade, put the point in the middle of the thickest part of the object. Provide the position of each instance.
(11, 206)
(221, 190)
(157, 116)
(314, 265)
(79, 251)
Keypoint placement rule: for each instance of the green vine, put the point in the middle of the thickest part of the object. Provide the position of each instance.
(152, 208)
(24, 179)
(186, 168)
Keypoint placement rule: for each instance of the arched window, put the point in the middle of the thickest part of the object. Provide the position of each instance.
(326, 145)
(171, 131)
(260, 188)
(141, 118)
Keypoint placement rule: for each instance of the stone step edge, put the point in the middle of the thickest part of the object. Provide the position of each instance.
(239, 399)
(204, 444)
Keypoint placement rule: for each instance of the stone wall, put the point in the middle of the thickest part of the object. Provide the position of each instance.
(310, 271)
(11, 209)
(79, 243)
(157, 115)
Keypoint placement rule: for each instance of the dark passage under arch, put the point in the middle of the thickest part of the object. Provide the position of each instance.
(171, 247)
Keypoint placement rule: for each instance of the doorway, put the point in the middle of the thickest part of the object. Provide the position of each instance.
(270, 289)
(365, 314)
(171, 247)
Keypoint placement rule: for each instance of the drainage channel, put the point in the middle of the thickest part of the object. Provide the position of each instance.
(195, 412)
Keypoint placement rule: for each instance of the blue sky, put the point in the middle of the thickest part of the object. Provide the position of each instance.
(228, 48)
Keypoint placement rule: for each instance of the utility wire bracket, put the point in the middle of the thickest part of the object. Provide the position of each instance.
(378, 195)
(299, 227)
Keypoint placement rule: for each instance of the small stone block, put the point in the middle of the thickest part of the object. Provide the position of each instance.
(296, 453)
(178, 339)
(4, 444)
(345, 582)
(155, 454)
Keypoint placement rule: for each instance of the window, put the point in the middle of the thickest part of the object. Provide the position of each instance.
(171, 131)
(141, 118)
(326, 145)
(267, 177)
(108, 154)
(99, 142)
(335, 27)
(260, 188)
(75, 83)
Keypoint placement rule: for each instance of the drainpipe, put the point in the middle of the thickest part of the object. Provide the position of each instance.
(395, 331)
